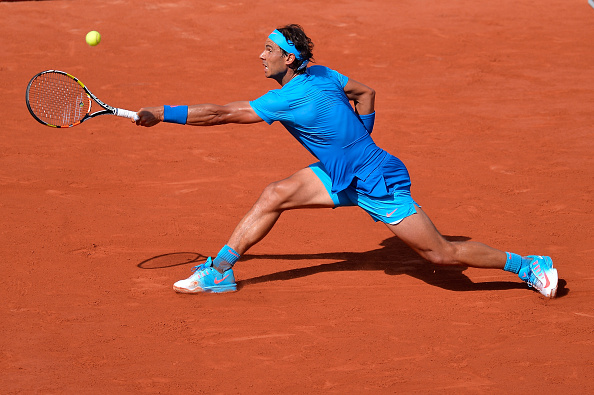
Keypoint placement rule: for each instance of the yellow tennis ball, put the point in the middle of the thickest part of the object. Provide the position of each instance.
(93, 38)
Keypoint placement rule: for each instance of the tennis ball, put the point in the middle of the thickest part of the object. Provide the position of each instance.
(93, 38)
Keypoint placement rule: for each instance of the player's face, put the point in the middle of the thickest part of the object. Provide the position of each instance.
(275, 64)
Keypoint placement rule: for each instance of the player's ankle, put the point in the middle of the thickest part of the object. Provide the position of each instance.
(225, 259)
(513, 262)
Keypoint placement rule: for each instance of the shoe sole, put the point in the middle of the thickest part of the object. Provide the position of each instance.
(227, 288)
(552, 294)
(553, 291)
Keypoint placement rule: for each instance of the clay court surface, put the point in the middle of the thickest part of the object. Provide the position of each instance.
(490, 105)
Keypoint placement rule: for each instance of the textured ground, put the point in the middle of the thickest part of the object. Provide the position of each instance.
(488, 103)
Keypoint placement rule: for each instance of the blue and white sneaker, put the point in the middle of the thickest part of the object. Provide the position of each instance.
(540, 275)
(205, 278)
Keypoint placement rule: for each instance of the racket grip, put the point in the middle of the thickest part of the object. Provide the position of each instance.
(126, 114)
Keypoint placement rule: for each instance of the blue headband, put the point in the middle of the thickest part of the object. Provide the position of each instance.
(287, 45)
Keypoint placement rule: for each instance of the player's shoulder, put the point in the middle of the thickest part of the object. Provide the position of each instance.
(272, 95)
(319, 70)
(327, 72)
(275, 100)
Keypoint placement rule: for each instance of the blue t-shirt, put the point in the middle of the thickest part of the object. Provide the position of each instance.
(314, 108)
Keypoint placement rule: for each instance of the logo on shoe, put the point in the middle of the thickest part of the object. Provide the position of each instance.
(541, 275)
(221, 280)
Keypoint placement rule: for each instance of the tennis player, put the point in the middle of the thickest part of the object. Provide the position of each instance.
(314, 105)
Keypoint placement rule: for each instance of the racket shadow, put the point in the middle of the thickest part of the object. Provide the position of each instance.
(171, 260)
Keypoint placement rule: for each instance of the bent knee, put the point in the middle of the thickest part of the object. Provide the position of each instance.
(277, 193)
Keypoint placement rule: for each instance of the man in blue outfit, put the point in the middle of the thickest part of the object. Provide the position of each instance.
(314, 105)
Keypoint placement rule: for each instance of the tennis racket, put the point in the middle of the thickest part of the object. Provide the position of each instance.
(60, 100)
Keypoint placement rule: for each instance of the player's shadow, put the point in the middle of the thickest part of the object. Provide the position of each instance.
(394, 257)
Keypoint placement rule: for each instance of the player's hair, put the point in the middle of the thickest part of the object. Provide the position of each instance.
(303, 44)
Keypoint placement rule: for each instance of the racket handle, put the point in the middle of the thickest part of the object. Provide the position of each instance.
(126, 114)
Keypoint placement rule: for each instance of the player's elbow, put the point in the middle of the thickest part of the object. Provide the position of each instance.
(371, 95)
(365, 101)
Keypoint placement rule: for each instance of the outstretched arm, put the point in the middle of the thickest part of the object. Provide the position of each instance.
(204, 114)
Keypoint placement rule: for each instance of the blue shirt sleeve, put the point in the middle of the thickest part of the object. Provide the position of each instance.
(272, 107)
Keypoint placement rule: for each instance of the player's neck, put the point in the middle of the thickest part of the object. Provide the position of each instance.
(289, 75)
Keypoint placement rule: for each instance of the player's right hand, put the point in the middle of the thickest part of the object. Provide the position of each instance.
(150, 116)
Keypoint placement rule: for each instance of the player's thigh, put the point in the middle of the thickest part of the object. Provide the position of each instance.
(303, 190)
(420, 233)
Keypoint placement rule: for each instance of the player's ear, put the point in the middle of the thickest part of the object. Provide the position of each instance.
(290, 59)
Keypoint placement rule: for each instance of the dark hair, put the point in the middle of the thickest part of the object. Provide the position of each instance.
(303, 44)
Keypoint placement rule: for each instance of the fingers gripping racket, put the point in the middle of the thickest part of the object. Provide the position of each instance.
(60, 100)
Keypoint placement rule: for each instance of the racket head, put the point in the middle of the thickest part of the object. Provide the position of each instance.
(58, 99)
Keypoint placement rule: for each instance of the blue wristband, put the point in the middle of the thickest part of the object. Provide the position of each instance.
(175, 114)
(368, 121)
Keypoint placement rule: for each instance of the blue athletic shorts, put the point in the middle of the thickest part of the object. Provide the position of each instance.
(389, 209)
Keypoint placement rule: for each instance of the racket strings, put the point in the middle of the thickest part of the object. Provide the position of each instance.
(58, 100)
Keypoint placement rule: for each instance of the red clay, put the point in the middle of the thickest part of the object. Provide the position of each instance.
(488, 103)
